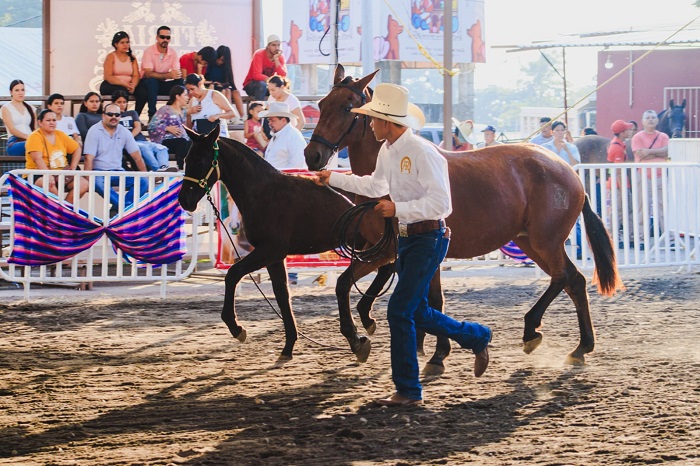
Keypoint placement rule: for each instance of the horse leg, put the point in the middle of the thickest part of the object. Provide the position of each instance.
(360, 346)
(280, 286)
(364, 306)
(576, 289)
(435, 366)
(533, 319)
(250, 263)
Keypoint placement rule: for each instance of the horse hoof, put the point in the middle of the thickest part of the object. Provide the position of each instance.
(575, 360)
(433, 370)
(362, 353)
(531, 345)
(371, 328)
(242, 336)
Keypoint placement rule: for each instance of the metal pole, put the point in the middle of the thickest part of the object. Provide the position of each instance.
(566, 102)
(447, 77)
(46, 44)
(367, 38)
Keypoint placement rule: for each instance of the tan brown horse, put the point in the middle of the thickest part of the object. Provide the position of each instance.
(516, 192)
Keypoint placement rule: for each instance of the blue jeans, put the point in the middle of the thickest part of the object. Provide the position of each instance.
(419, 257)
(154, 87)
(128, 185)
(154, 155)
(15, 146)
(256, 89)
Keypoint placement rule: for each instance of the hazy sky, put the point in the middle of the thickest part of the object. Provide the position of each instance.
(521, 21)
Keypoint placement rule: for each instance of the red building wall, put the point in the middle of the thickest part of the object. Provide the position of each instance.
(642, 87)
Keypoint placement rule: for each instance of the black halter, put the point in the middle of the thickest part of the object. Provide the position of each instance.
(326, 142)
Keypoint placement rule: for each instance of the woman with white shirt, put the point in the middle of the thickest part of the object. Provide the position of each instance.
(277, 87)
(19, 119)
(207, 105)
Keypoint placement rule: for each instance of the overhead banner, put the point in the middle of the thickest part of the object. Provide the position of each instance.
(78, 50)
(399, 29)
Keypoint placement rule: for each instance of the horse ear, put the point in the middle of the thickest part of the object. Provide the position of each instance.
(364, 82)
(339, 74)
(683, 104)
(213, 135)
(193, 135)
(670, 104)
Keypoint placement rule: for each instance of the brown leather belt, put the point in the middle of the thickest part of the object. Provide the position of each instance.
(420, 227)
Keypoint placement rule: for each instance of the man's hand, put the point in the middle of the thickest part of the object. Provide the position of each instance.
(386, 208)
(322, 178)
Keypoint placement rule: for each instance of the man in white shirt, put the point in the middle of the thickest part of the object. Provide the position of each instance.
(286, 147)
(545, 135)
(67, 124)
(489, 138)
(414, 174)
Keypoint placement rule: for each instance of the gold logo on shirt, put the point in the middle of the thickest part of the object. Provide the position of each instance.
(406, 165)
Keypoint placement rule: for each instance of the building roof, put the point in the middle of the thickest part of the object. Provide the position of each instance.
(688, 37)
(21, 59)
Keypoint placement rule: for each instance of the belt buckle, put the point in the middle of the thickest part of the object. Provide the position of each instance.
(403, 229)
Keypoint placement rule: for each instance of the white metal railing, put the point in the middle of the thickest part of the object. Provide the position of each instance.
(652, 213)
(99, 263)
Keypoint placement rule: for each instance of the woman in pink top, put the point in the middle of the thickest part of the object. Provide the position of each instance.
(121, 70)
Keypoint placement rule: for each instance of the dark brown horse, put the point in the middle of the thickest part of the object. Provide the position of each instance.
(282, 215)
(516, 192)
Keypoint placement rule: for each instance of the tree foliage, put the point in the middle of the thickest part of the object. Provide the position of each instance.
(20, 13)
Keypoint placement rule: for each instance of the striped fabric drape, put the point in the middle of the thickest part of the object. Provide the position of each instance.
(47, 232)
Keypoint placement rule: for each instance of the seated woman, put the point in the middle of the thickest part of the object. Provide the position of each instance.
(19, 119)
(277, 86)
(167, 128)
(48, 149)
(121, 70)
(219, 76)
(155, 156)
(90, 113)
(206, 107)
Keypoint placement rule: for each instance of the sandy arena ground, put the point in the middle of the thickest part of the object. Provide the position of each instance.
(115, 376)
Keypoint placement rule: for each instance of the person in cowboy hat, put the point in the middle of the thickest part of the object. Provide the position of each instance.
(414, 174)
(286, 147)
(463, 137)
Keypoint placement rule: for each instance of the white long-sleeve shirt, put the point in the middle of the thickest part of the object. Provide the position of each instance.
(286, 149)
(413, 173)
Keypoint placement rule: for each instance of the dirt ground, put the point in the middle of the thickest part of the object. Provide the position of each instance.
(98, 378)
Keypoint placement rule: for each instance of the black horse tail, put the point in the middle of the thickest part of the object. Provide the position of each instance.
(605, 275)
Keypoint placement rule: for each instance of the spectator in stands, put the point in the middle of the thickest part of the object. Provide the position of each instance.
(286, 148)
(160, 71)
(197, 62)
(489, 137)
(67, 124)
(48, 149)
(155, 156)
(167, 128)
(219, 76)
(266, 63)
(278, 88)
(206, 107)
(545, 135)
(560, 146)
(90, 113)
(651, 146)
(19, 119)
(617, 154)
(104, 145)
(588, 131)
(252, 129)
(121, 70)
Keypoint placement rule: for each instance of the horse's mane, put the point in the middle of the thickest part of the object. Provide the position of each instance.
(259, 165)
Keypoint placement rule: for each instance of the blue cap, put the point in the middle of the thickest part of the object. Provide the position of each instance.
(489, 128)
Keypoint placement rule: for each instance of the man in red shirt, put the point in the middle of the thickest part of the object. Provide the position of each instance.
(196, 62)
(266, 63)
(617, 154)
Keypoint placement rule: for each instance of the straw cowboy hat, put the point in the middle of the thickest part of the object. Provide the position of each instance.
(465, 130)
(277, 109)
(390, 103)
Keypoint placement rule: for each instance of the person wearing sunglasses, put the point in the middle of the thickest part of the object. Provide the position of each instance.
(160, 71)
(104, 145)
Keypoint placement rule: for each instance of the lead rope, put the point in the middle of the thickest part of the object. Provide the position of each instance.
(204, 183)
